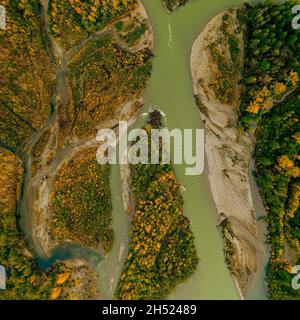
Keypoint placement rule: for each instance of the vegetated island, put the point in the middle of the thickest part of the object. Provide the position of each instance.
(69, 68)
(161, 252)
(253, 113)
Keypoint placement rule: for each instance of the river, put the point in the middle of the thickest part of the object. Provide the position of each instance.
(170, 89)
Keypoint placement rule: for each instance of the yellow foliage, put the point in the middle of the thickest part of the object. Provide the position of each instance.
(62, 278)
(296, 136)
(293, 204)
(280, 252)
(78, 10)
(148, 228)
(289, 268)
(285, 163)
(253, 108)
(280, 88)
(265, 92)
(293, 78)
(32, 279)
(295, 172)
(55, 293)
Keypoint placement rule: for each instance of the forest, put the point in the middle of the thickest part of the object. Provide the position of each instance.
(24, 95)
(272, 58)
(278, 174)
(81, 202)
(270, 105)
(131, 31)
(161, 253)
(24, 278)
(26, 86)
(72, 20)
(102, 78)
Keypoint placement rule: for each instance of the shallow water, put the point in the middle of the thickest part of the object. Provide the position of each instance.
(110, 268)
(70, 251)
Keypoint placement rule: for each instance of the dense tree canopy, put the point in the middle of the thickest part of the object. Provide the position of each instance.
(81, 202)
(278, 170)
(272, 60)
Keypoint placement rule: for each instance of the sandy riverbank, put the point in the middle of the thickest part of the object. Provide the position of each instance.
(228, 150)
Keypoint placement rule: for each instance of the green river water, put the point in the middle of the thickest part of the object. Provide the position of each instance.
(170, 89)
